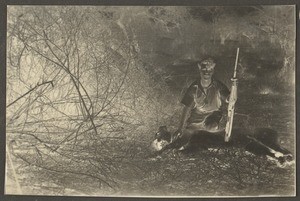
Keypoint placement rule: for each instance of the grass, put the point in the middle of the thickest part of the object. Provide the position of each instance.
(214, 172)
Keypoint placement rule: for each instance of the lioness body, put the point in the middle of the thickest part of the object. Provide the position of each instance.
(262, 141)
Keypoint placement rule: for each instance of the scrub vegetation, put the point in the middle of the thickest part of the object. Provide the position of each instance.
(87, 88)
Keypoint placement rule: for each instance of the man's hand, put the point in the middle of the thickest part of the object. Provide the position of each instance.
(233, 92)
(234, 81)
(212, 120)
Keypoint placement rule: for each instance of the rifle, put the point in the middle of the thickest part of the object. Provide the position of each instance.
(232, 100)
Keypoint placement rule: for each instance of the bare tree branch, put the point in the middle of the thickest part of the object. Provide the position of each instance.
(34, 88)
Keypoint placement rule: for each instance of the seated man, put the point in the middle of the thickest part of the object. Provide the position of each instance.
(204, 103)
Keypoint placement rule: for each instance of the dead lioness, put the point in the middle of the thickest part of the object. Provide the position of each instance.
(261, 142)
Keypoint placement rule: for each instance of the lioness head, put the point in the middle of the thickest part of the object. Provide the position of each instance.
(161, 138)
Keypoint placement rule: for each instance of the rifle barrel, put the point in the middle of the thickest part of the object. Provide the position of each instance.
(236, 62)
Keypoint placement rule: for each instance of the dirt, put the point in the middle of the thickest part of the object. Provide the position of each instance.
(214, 172)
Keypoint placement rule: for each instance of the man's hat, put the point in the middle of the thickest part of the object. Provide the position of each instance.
(208, 62)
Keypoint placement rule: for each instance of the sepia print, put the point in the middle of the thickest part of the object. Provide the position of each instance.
(150, 101)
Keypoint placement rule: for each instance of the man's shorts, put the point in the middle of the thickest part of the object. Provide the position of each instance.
(212, 121)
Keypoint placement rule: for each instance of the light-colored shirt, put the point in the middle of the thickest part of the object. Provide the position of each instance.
(205, 101)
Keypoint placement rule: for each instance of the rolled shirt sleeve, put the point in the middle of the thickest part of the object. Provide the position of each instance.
(188, 98)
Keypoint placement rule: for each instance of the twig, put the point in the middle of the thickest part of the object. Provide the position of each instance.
(38, 85)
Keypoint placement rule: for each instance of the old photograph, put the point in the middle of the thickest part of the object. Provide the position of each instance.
(150, 101)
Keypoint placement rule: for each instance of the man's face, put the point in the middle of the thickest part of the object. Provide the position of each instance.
(206, 69)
